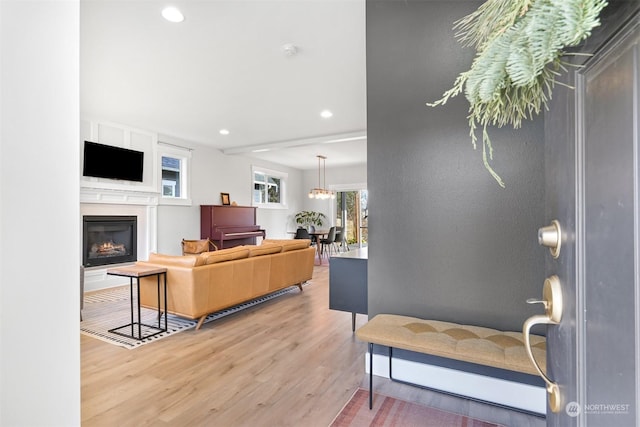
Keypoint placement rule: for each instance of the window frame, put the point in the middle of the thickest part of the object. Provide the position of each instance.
(270, 173)
(184, 156)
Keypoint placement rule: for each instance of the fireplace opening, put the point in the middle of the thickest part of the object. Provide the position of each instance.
(108, 240)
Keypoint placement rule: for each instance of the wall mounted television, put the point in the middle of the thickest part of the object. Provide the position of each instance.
(106, 161)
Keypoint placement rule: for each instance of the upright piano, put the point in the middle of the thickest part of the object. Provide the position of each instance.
(228, 226)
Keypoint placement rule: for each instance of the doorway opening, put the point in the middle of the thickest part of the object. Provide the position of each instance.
(352, 214)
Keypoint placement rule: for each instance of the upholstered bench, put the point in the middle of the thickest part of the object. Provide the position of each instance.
(473, 344)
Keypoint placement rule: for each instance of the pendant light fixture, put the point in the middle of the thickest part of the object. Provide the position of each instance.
(322, 192)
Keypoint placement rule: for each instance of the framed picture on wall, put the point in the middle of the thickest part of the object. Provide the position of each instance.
(225, 199)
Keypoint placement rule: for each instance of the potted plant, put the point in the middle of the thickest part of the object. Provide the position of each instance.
(308, 218)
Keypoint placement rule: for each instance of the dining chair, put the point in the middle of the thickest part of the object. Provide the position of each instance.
(341, 240)
(302, 233)
(328, 242)
(314, 239)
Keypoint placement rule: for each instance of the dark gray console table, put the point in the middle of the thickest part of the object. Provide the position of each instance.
(348, 282)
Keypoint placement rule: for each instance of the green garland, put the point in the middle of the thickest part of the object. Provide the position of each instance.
(519, 47)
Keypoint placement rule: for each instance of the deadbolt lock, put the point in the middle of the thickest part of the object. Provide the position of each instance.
(551, 237)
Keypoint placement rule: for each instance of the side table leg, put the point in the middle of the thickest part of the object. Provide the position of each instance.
(139, 318)
(158, 292)
(131, 301)
(165, 302)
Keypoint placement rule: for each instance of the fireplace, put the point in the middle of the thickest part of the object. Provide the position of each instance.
(108, 240)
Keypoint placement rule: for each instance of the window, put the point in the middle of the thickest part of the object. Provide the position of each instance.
(174, 166)
(269, 188)
(171, 177)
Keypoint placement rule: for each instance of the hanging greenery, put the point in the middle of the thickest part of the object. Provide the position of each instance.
(519, 46)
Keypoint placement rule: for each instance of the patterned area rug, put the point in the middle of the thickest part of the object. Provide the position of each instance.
(388, 411)
(110, 308)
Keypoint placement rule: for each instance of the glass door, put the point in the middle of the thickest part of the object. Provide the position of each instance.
(352, 214)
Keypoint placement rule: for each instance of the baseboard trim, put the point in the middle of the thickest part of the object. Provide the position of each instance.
(526, 397)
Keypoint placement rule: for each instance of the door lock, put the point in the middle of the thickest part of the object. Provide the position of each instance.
(551, 237)
(552, 301)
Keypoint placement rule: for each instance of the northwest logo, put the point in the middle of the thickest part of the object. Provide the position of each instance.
(572, 409)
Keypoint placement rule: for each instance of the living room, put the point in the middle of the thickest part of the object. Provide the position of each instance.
(219, 147)
(447, 240)
(165, 221)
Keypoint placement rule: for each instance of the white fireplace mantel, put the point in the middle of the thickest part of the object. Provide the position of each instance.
(143, 205)
(118, 197)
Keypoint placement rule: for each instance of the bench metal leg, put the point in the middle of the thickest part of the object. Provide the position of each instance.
(371, 372)
(370, 375)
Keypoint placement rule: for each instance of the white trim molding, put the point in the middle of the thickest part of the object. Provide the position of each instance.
(117, 197)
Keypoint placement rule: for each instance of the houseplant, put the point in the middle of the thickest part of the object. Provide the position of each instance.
(308, 218)
(520, 45)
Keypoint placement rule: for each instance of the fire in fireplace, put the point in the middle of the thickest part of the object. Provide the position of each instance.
(108, 240)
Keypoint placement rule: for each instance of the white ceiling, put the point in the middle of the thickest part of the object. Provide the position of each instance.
(224, 67)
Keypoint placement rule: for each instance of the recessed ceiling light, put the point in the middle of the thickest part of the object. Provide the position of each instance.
(172, 14)
(290, 49)
(224, 132)
(326, 114)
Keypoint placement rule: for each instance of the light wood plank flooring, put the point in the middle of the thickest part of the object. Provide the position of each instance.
(287, 362)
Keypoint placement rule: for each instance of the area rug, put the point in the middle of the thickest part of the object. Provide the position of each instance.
(388, 411)
(111, 308)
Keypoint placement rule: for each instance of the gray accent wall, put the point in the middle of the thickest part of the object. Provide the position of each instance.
(445, 241)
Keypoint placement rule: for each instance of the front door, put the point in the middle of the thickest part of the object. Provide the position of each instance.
(593, 189)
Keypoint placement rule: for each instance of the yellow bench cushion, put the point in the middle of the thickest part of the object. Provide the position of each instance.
(473, 344)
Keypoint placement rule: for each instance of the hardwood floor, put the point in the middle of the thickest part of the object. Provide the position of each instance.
(289, 361)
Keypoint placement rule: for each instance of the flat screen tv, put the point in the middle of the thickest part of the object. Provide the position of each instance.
(106, 161)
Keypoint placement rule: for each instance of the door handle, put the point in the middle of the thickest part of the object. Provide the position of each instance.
(552, 301)
(551, 237)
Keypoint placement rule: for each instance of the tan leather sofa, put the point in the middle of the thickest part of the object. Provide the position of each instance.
(199, 285)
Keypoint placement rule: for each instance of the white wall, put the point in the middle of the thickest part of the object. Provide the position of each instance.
(39, 213)
(213, 173)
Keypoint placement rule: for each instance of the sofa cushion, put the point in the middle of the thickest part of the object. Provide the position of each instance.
(224, 255)
(270, 248)
(176, 260)
(289, 244)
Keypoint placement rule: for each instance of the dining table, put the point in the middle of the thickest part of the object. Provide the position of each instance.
(318, 235)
